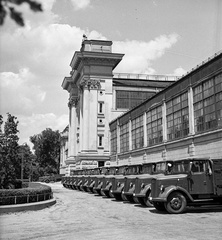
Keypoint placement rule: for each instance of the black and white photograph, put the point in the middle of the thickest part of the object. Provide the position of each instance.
(110, 119)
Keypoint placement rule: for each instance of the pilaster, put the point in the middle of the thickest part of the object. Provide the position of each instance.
(191, 111)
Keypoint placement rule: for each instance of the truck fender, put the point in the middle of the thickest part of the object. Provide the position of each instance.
(120, 188)
(146, 189)
(92, 184)
(168, 190)
(109, 186)
(86, 183)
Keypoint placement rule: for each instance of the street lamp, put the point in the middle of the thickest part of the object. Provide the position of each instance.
(22, 163)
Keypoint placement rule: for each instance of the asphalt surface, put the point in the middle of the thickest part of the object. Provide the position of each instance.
(82, 216)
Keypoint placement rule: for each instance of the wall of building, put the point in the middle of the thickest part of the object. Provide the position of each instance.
(184, 120)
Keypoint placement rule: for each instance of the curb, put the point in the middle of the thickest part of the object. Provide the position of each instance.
(27, 206)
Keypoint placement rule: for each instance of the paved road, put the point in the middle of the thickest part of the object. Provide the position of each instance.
(82, 216)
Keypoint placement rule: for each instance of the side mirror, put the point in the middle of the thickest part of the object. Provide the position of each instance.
(208, 172)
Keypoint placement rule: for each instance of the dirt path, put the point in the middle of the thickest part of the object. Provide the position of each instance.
(82, 216)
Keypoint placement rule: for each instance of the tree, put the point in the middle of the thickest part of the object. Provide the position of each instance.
(8, 151)
(7, 7)
(47, 151)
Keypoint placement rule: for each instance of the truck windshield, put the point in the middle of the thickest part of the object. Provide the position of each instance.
(96, 172)
(147, 169)
(132, 170)
(159, 167)
(104, 171)
(121, 170)
(112, 171)
(178, 167)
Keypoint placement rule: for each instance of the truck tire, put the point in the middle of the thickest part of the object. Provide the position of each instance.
(110, 194)
(159, 206)
(123, 196)
(146, 200)
(176, 203)
(136, 200)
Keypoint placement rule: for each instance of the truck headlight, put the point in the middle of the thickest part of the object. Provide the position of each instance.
(162, 188)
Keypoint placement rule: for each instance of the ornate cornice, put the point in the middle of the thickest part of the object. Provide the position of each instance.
(90, 84)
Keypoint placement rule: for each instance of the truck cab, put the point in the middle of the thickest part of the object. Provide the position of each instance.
(143, 182)
(107, 181)
(119, 181)
(98, 180)
(86, 179)
(189, 182)
(91, 181)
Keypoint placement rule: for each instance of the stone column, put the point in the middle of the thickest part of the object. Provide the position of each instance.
(89, 114)
(72, 140)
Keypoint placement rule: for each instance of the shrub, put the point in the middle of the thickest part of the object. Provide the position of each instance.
(35, 192)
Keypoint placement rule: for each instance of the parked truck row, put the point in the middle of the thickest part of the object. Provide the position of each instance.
(168, 185)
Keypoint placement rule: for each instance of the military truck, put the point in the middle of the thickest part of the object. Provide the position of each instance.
(91, 182)
(130, 182)
(118, 181)
(98, 181)
(143, 182)
(85, 178)
(189, 182)
(107, 181)
(78, 182)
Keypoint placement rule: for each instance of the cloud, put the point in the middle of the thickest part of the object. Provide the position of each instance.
(80, 4)
(139, 55)
(18, 94)
(36, 123)
(179, 71)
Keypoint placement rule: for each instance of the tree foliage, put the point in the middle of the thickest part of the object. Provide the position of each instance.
(8, 151)
(47, 151)
(8, 7)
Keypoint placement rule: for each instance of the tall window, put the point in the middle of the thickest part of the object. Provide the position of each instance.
(154, 126)
(101, 107)
(113, 141)
(100, 140)
(218, 90)
(208, 104)
(124, 138)
(177, 117)
(137, 133)
(129, 99)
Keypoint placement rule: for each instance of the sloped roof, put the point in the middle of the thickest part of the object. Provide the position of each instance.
(141, 83)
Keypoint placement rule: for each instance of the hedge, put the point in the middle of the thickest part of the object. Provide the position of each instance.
(34, 193)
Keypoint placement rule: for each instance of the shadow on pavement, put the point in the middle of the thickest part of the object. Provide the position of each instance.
(203, 209)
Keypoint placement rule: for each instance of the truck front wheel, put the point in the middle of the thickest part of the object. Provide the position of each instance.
(146, 200)
(176, 203)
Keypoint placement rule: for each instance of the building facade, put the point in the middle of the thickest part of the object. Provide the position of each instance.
(96, 97)
(183, 120)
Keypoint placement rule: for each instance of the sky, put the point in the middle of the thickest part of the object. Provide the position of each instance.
(157, 37)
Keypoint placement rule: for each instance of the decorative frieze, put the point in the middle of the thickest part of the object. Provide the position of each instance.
(90, 84)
